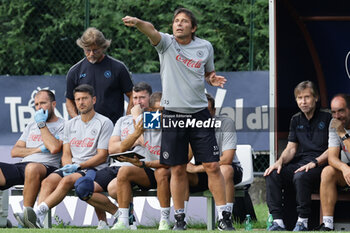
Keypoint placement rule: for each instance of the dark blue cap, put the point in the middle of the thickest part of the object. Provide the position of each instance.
(84, 186)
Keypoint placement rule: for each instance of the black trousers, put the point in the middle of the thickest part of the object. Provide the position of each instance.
(278, 186)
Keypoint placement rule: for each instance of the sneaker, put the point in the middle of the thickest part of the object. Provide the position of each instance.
(20, 219)
(132, 220)
(164, 225)
(30, 219)
(322, 227)
(275, 227)
(180, 224)
(102, 225)
(120, 226)
(299, 226)
(133, 226)
(225, 224)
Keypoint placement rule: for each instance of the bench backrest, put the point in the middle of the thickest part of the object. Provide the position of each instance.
(245, 156)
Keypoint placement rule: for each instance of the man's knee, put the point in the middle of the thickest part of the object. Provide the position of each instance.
(178, 170)
(51, 180)
(112, 188)
(35, 170)
(329, 175)
(211, 168)
(123, 174)
(227, 172)
(162, 175)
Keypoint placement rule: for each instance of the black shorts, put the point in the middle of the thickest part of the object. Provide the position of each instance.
(106, 175)
(203, 179)
(14, 173)
(152, 180)
(81, 172)
(175, 140)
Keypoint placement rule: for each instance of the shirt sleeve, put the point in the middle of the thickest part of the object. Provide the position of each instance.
(164, 42)
(333, 139)
(106, 132)
(229, 140)
(66, 133)
(209, 65)
(292, 130)
(70, 82)
(117, 128)
(25, 134)
(60, 132)
(125, 79)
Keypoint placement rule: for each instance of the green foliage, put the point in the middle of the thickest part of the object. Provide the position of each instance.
(38, 36)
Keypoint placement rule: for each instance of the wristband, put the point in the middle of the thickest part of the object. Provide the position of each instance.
(314, 160)
(346, 136)
(143, 165)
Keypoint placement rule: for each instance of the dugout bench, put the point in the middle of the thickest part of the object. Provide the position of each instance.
(244, 153)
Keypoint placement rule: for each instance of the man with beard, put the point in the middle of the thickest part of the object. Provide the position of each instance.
(85, 149)
(109, 77)
(40, 146)
(338, 172)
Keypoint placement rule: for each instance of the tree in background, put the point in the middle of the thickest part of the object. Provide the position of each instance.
(38, 36)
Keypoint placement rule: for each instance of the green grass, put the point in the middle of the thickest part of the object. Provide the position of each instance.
(261, 212)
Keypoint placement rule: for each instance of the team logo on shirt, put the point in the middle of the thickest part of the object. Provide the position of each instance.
(151, 120)
(82, 76)
(200, 53)
(108, 73)
(94, 132)
(165, 155)
(321, 125)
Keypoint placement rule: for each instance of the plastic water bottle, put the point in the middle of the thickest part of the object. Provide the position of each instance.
(269, 221)
(248, 223)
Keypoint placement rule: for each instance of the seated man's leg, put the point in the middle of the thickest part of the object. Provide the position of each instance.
(162, 176)
(48, 185)
(305, 183)
(227, 172)
(11, 174)
(35, 218)
(330, 178)
(100, 201)
(274, 184)
(127, 176)
(34, 174)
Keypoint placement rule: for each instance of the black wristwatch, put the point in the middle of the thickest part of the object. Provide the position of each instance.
(346, 136)
(143, 164)
(41, 124)
(314, 160)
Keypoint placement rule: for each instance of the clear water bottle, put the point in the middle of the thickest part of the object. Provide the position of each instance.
(269, 221)
(248, 226)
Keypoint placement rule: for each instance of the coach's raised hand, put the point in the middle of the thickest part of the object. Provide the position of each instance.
(143, 26)
(130, 21)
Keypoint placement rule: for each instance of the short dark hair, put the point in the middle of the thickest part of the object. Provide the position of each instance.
(346, 97)
(155, 97)
(303, 85)
(211, 99)
(84, 88)
(49, 93)
(190, 15)
(142, 86)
